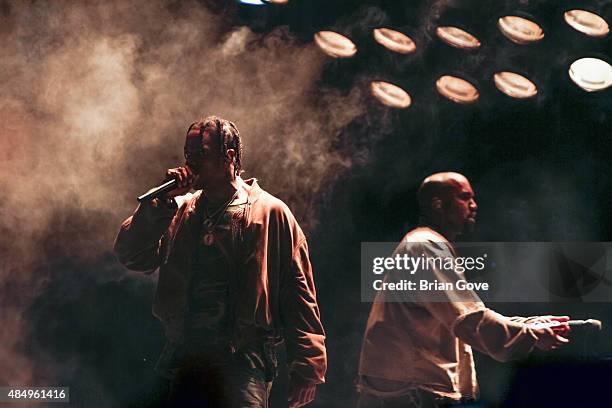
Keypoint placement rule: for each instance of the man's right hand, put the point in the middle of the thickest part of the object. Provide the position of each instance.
(185, 177)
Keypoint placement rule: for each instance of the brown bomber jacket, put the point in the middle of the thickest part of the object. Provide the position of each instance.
(271, 283)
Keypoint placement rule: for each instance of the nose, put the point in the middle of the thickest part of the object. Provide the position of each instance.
(473, 205)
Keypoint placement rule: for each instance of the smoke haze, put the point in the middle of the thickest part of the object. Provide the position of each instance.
(96, 98)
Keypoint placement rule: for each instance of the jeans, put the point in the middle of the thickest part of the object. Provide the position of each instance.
(227, 381)
(414, 399)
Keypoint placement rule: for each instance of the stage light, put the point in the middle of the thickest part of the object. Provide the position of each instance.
(390, 95)
(591, 74)
(520, 30)
(457, 89)
(587, 23)
(514, 85)
(394, 40)
(458, 38)
(335, 45)
(277, 1)
(252, 2)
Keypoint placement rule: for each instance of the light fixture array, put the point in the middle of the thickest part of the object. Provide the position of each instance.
(590, 74)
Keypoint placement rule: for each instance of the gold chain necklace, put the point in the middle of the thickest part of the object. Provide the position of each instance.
(209, 224)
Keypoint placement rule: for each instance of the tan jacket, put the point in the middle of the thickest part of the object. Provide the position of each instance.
(271, 283)
(428, 345)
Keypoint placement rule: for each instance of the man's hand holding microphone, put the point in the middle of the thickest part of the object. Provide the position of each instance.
(184, 176)
(551, 331)
(178, 181)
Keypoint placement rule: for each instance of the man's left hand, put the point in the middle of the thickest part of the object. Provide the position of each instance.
(300, 392)
(556, 323)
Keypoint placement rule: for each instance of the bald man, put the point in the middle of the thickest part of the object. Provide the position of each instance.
(418, 353)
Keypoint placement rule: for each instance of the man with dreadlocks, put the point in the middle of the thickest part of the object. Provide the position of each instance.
(235, 279)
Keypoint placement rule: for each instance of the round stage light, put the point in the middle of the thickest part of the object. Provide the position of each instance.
(591, 74)
(457, 89)
(335, 45)
(394, 40)
(587, 23)
(252, 2)
(514, 85)
(520, 30)
(458, 38)
(390, 95)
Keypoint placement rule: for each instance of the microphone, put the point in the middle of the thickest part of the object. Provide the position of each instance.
(588, 324)
(158, 191)
(167, 186)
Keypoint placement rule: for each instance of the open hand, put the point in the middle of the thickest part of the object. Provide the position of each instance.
(557, 323)
(550, 331)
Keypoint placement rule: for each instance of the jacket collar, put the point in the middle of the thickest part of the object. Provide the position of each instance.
(250, 185)
(253, 190)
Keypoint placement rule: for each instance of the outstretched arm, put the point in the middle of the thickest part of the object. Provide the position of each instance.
(463, 313)
(505, 338)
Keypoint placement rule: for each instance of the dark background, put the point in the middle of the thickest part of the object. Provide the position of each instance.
(540, 169)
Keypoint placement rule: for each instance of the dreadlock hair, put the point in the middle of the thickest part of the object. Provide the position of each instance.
(227, 135)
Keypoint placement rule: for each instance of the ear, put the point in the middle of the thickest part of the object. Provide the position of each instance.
(230, 155)
(436, 204)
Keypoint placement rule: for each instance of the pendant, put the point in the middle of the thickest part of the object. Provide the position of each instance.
(209, 238)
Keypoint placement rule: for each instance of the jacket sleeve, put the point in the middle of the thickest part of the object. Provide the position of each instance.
(138, 244)
(463, 313)
(500, 337)
(304, 334)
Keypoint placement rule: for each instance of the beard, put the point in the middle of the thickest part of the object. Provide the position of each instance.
(469, 225)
